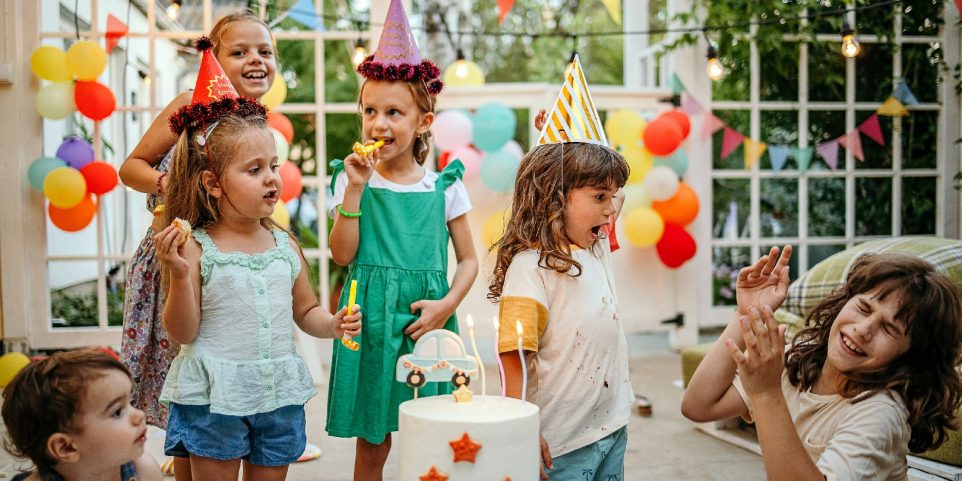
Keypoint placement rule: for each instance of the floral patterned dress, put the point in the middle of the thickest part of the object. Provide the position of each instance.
(146, 349)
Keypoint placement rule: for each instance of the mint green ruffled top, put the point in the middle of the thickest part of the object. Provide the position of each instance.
(243, 360)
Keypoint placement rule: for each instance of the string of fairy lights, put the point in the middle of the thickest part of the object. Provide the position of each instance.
(850, 46)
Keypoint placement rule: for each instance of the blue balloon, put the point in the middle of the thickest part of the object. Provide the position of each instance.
(39, 169)
(76, 152)
(498, 170)
(677, 162)
(494, 125)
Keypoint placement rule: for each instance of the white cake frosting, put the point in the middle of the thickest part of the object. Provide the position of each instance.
(507, 430)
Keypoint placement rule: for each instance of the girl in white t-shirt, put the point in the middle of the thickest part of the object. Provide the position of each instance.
(554, 275)
(872, 378)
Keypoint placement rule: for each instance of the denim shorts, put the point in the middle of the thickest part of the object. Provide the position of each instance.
(275, 438)
(602, 460)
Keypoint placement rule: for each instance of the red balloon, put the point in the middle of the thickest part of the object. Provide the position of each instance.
(681, 119)
(443, 160)
(94, 99)
(291, 181)
(282, 124)
(675, 247)
(662, 136)
(74, 218)
(101, 177)
(681, 209)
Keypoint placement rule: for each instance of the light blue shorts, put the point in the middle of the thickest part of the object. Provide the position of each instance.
(602, 460)
(275, 438)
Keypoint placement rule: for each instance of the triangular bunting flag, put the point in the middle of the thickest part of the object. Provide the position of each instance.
(892, 108)
(676, 86)
(753, 151)
(614, 9)
(303, 12)
(504, 6)
(853, 142)
(829, 152)
(871, 128)
(710, 125)
(573, 117)
(731, 141)
(778, 154)
(904, 94)
(803, 156)
(115, 31)
(691, 106)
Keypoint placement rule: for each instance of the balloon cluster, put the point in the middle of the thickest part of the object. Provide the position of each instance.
(658, 205)
(482, 141)
(69, 181)
(74, 81)
(292, 182)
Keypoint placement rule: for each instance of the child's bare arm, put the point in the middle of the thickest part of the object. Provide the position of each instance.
(345, 235)
(137, 171)
(314, 319)
(147, 468)
(182, 308)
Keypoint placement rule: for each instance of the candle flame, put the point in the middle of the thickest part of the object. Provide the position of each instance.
(517, 325)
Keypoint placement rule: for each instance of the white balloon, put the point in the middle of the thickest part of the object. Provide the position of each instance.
(514, 148)
(661, 183)
(283, 149)
(452, 130)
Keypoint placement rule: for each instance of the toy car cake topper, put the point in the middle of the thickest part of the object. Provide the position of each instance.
(438, 356)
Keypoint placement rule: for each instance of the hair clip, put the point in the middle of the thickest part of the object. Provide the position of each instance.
(201, 141)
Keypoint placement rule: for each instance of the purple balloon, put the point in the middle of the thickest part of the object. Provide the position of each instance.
(76, 152)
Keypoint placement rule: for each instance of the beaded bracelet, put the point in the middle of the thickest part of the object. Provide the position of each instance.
(160, 183)
(346, 213)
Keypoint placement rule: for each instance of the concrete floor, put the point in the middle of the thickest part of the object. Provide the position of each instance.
(663, 446)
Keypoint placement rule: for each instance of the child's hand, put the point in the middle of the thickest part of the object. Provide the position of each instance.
(347, 324)
(765, 282)
(545, 458)
(433, 316)
(760, 365)
(540, 119)
(360, 167)
(169, 246)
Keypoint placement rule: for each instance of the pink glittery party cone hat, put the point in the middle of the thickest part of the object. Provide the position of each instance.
(397, 56)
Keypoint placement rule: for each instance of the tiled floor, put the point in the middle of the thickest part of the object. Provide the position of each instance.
(664, 446)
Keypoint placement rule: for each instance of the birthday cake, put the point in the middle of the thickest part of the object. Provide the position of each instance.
(462, 437)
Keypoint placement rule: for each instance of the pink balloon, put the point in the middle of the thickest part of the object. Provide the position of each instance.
(452, 130)
(471, 159)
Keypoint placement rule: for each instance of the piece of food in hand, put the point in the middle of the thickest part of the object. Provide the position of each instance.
(183, 228)
(370, 147)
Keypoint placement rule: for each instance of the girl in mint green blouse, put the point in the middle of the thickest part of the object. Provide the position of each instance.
(236, 287)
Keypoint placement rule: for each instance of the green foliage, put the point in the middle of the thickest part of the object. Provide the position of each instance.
(80, 310)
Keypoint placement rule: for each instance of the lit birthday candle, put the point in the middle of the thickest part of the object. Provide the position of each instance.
(497, 353)
(524, 367)
(474, 345)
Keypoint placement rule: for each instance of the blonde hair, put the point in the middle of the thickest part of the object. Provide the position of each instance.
(546, 175)
(425, 102)
(219, 28)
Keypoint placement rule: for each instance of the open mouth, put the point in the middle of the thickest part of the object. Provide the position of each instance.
(599, 231)
(272, 195)
(386, 140)
(850, 345)
(255, 75)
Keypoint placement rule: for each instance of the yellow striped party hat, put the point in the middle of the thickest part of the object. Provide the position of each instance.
(573, 117)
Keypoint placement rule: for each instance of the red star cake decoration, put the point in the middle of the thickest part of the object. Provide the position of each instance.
(433, 475)
(465, 449)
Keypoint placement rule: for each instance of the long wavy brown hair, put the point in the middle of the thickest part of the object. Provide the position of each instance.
(926, 376)
(425, 101)
(540, 194)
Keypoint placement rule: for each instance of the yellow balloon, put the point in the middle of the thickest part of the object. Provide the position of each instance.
(50, 63)
(640, 162)
(86, 60)
(65, 187)
(276, 94)
(281, 216)
(10, 364)
(493, 228)
(463, 73)
(644, 226)
(635, 196)
(624, 128)
(55, 101)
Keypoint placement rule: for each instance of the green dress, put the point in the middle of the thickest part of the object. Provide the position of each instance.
(402, 257)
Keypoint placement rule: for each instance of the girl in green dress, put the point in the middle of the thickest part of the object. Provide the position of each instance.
(392, 222)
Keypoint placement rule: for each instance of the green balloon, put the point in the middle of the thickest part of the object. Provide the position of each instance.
(39, 169)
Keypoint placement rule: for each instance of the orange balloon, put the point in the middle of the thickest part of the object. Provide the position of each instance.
(681, 209)
(282, 124)
(101, 177)
(75, 218)
(94, 99)
(292, 182)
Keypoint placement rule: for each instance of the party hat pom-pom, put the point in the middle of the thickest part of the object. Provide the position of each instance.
(435, 87)
(203, 43)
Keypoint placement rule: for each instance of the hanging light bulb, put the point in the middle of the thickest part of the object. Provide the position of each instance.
(850, 45)
(461, 66)
(714, 69)
(173, 10)
(360, 52)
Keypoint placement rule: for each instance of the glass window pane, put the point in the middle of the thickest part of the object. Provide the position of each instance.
(876, 21)
(341, 81)
(738, 120)
(825, 125)
(877, 156)
(779, 128)
(727, 261)
(778, 77)
(303, 149)
(730, 207)
(826, 72)
(918, 205)
(779, 208)
(921, 74)
(873, 206)
(73, 293)
(826, 207)
(818, 253)
(793, 271)
(871, 85)
(921, 18)
(295, 60)
(920, 133)
(341, 133)
(734, 55)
